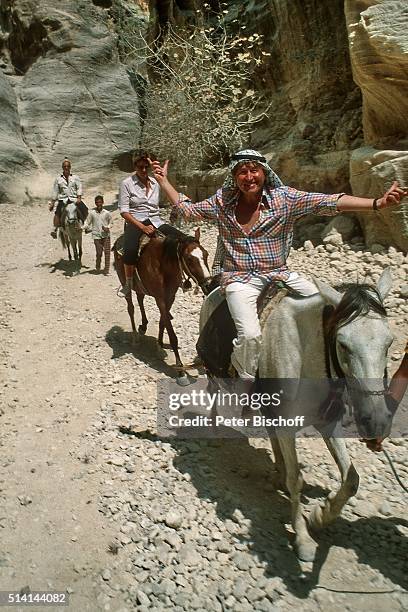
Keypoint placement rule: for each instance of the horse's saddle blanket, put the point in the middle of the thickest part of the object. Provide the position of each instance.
(119, 245)
(217, 328)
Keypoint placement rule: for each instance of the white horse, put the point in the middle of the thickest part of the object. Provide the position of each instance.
(70, 232)
(293, 347)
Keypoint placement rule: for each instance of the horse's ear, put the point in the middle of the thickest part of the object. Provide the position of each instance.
(384, 283)
(332, 296)
(197, 234)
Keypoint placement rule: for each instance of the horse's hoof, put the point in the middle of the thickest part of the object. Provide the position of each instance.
(161, 353)
(306, 551)
(183, 380)
(142, 329)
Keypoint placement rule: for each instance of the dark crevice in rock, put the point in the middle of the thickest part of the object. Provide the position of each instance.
(103, 3)
(26, 45)
(185, 5)
(139, 85)
(168, 11)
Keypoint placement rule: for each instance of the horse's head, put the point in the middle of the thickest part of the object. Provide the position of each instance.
(359, 337)
(194, 261)
(71, 217)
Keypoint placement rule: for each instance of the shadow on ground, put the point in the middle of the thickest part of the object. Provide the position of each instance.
(146, 349)
(235, 476)
(68, 268)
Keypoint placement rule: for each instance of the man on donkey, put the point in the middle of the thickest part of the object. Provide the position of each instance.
(67, 188)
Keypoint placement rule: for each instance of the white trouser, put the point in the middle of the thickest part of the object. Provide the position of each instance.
(242, 299)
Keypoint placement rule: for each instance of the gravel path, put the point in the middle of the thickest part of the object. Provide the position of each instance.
(92, 502)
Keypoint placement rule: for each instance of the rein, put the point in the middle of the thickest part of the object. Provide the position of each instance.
(334, 403)
(186, 274)
(331, 357)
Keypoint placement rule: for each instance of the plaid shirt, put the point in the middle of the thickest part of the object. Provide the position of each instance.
(265, 249)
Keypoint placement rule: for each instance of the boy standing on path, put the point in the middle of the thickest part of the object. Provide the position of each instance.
(99, 222)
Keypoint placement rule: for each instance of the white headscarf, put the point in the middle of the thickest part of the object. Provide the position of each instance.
(272, 180)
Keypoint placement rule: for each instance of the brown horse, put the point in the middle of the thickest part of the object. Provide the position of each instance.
(164, 265)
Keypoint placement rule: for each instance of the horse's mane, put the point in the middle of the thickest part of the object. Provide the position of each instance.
(170, 246)
(358, 300)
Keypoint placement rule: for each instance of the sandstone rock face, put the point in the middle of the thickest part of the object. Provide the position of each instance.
(379, 57)
(14, 153)
(371, 172)
(74, 97)
(378, 49)
(315, 117)
(68, 92)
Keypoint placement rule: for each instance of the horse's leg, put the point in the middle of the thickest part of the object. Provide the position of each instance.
(131, 312)
(333, 505)
(69, 250)
(305, 545)
(161, 332)
(140, 301)
(165, 315)
(80, 249)
(75, 249)
(280, 480)
(76, 256)
(169, 304)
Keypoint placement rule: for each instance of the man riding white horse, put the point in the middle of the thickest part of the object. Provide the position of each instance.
(255, 214)
(67, 188)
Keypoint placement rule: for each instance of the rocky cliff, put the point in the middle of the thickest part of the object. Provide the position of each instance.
(378, 42)
(64, 92)
(336, 81)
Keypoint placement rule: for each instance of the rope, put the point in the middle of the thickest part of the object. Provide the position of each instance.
(332, 590)
(398, 479)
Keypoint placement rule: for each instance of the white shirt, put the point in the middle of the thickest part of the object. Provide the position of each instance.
(134, 200)
(67, 189)
(96, 220)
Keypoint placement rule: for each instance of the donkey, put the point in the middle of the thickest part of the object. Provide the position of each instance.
(71, 231)
(346, 347)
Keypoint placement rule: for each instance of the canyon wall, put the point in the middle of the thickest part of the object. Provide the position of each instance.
(335, 84)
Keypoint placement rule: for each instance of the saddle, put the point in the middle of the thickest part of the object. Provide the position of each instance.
(217, 331)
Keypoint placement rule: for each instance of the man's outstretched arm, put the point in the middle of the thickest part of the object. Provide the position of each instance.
(392, 197)
(191, 211)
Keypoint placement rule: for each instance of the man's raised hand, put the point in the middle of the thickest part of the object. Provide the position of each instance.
(159, 171)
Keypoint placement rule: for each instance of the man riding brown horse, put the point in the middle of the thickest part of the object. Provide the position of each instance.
(165, 263)
(139, 206)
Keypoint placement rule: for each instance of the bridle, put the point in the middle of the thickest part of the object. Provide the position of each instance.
(331, 357)
(75, 221)
(185, 271)
(333, 405)
(340, 382)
